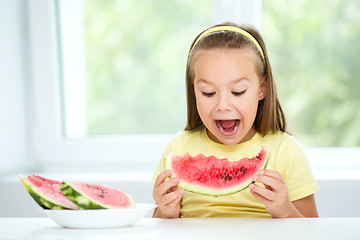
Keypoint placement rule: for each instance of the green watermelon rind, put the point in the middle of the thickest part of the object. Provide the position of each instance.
(83, 200)
(79, 198)
(209, 191)
(41, 199)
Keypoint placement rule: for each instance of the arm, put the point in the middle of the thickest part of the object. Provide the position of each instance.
(306, 206)
(274, 195)
(167, 196)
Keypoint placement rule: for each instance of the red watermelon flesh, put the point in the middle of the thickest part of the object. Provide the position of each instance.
(96, 196)
(46, 192)
(213, 176)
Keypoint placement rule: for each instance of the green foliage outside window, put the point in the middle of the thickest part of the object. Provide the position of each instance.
(315, 52)
(136, 55)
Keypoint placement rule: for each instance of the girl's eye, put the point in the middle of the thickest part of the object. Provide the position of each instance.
(208, 94)
(238, 93)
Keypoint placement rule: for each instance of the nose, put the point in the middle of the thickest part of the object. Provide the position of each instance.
(224, 103)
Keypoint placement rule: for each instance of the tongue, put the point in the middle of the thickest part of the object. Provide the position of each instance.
(226, 124)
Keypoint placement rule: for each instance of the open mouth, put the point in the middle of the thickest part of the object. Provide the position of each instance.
(228, 127)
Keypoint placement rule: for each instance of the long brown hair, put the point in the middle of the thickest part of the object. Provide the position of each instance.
(270, 116)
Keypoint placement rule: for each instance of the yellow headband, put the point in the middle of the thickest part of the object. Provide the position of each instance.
(233, 29)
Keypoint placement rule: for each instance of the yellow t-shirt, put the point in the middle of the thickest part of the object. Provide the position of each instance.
(286, 157)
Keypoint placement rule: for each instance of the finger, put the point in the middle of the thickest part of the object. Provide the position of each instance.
(263, 192)
(269, 182)
(272, 174)
(165, 187)
(161, 178)
(260, 198)
(170, 197)
(177, 199)
(174, 188)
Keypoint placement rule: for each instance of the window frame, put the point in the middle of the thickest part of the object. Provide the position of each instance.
(52, 151)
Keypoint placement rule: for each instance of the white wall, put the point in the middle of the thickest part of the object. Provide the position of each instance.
(13, 80)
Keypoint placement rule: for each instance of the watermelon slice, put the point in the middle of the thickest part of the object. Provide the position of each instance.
(46, 192)
(95, 196)
(213, 176)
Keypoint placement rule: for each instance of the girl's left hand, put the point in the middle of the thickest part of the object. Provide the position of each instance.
(274, 195)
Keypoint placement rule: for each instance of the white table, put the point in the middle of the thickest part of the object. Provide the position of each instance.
(185, 229)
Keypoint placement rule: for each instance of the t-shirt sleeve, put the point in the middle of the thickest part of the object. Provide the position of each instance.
(297, 171)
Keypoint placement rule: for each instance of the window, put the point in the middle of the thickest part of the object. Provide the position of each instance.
(81, 76)
(109, 77)
(315, 59)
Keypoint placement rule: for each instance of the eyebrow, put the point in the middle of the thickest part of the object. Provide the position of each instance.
(202, 80)
(239, 80)
(207, 82)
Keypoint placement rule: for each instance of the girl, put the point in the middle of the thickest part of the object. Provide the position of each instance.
(233, 111)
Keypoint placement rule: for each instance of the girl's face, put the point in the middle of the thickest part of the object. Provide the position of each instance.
(227, 90)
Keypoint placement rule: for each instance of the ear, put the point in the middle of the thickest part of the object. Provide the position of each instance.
(262, 89)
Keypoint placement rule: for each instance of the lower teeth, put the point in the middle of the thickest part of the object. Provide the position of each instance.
(222, 129)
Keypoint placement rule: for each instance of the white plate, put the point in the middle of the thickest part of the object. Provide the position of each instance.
(99, 218)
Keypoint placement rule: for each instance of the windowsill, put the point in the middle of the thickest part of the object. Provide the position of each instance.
(336, 174)
(88, 177)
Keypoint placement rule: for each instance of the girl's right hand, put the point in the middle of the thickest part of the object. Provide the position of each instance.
(167, 196)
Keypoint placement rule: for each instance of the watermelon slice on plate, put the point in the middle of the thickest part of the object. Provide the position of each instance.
(96, 196)
(46, 192)
(53, 194)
